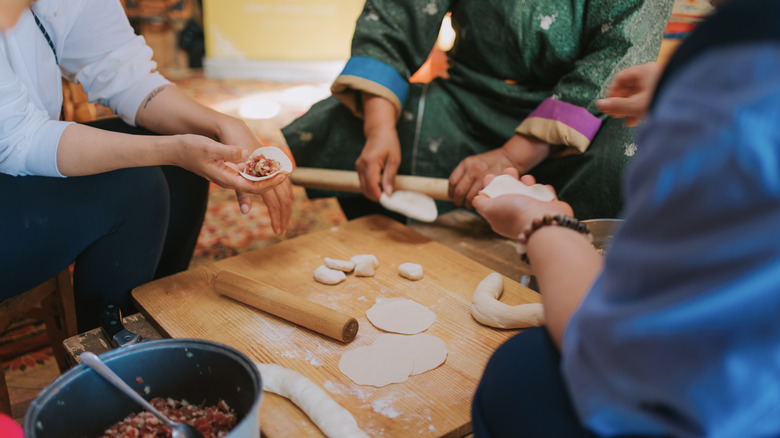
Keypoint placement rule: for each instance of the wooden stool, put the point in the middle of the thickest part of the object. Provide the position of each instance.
(53, 303)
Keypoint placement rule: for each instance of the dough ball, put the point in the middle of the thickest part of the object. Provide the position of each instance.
(325, 275)
(365, 265)
(400, 315)
(412, 271)
(365, 258)
(506, 185)
(427, 352)
(411, 204)
(339, 265)
(376, 366)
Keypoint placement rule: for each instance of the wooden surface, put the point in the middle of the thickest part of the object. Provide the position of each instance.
(436, 403)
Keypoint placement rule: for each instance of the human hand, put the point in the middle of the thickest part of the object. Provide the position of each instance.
(508, 215)
(279, 199)
(519, 152)
(631, 92)
(378, 163)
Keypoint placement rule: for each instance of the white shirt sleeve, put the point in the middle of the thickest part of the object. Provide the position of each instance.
(28, 136)
(113, 64)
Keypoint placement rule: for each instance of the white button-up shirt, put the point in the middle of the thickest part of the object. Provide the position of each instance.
(96, 47)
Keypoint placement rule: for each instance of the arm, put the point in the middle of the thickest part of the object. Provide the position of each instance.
(564, 261)
(114, 65)
(631, 92)
(391, 41)
(566, 123)
(381, 155)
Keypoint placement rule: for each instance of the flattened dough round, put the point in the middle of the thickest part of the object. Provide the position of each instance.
(376, 366)
(400, 315)
(506, 185)
(411, 204)
(427, 352)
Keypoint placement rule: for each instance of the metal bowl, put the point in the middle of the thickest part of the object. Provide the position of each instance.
(603, 230)
(80, 403)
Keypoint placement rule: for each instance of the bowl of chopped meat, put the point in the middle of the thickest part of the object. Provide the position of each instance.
(211, 386)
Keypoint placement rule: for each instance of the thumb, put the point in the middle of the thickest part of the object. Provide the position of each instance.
(233, 154)
(388, 178)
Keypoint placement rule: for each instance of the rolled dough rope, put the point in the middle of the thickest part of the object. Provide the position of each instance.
(339, 265)
(486, 308)
(330, 417)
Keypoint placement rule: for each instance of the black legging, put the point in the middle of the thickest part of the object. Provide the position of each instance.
(122, 228)
(522, 392)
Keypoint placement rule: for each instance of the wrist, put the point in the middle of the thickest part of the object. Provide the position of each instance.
(525, 152)
(560, 221)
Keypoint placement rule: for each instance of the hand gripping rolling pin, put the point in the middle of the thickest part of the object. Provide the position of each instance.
(295, 309)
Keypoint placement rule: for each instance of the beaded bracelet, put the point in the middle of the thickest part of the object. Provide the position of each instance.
(558, 220)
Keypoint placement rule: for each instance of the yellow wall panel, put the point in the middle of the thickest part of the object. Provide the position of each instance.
(284, 30)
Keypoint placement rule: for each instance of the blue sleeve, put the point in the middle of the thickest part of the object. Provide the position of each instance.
(679, 333)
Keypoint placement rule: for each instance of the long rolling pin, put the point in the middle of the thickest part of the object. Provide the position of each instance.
(295, 309)
(349, 181)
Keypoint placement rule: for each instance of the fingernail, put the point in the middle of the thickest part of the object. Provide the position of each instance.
(244, 208)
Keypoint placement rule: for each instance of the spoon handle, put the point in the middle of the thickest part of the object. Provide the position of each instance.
(104, 371)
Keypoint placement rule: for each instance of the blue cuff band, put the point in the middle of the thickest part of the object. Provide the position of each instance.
(379, 72)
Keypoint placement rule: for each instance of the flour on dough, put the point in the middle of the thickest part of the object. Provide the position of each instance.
(400, 315)
(325, 275)
(506, 185)
(412, 271)
(365, 265)
(376, 366)
(486, 308)
(427, 352)
(411, 204)
(339, 265)
(330, 417)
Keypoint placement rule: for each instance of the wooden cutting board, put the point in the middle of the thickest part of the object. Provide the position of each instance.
(433, 404)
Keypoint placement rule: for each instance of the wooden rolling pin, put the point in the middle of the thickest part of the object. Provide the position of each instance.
(348, 181)
(295, 309)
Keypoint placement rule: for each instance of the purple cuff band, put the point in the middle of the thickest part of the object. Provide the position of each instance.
(576, 117)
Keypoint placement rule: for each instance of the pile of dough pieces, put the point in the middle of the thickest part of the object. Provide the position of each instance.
(334, 271)
(393, 357)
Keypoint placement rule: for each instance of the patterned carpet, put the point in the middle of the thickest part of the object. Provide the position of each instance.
(27, 360)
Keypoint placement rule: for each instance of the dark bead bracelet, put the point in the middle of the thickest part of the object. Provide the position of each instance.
(558, 220)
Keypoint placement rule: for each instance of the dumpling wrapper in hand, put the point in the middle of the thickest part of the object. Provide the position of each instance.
(269, 153)
(506, 185)
(411, 204)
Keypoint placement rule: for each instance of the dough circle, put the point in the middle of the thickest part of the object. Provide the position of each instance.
(411, 204)
(427, 352)
(325, 275)
(412, 271)
(376, 366)
(272, 153)
(506, 185)
(486, 308)
(330, 417)
(400, 315)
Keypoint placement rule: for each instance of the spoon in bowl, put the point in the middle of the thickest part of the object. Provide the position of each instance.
(179, 430)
